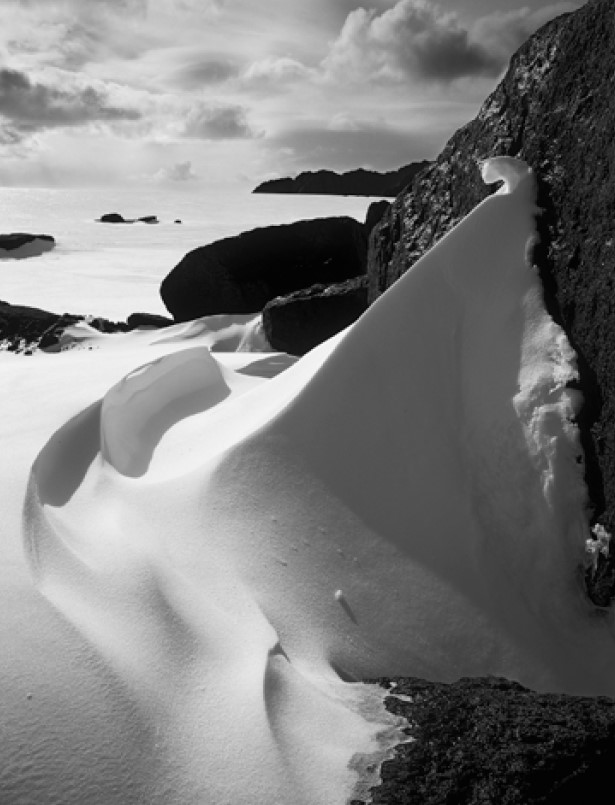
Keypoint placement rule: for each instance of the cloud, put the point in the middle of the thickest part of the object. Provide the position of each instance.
(180, 172)
(274, 71)
(71, 34)
(85, 6)
(217, 122)
(29, 106)
(378, 147)
(8, 135)
(417, 40)
(342, 121)
(205, 72)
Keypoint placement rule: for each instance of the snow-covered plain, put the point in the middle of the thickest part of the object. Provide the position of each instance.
(201, 551)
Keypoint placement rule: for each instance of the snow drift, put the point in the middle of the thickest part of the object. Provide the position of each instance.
(233, 551)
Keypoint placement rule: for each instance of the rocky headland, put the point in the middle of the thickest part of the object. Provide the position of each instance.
(352, 183)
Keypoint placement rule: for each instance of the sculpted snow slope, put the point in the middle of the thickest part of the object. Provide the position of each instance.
(405, 500)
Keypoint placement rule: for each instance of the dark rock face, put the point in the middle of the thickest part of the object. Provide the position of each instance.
(241, 274)
(21, 326)
(23, 244)
(493, 742)
(375, 213)
(300, 321)
(556, 110)
(353, 183)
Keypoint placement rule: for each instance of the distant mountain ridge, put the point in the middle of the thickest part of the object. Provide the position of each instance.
(358, 182)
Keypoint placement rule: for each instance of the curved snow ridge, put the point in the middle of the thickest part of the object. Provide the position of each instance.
(407, 499)
(512, 172)
(141, 408)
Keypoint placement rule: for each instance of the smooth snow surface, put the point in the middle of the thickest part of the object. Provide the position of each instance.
(216, 550)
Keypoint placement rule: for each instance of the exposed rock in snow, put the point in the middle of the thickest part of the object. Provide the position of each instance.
(493, 741)
(300, 321)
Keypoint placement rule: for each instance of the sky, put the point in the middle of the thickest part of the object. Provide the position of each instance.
(186, 92)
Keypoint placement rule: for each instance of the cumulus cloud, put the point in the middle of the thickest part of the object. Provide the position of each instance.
(217, 122)
(416, 39)
(180, 172)
(29, 106)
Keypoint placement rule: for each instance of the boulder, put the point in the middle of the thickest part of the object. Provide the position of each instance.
(22, 244)
(556, 110)
(241, 274)
(21, 326)
(495, 742)
(113, 218)
(151, 320)
(300, 321)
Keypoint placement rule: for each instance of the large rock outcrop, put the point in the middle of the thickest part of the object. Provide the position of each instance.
(555, 109)
(493, 742)
(241, 274)
(352, 183)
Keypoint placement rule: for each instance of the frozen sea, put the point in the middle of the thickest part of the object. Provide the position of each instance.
(114, 270)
